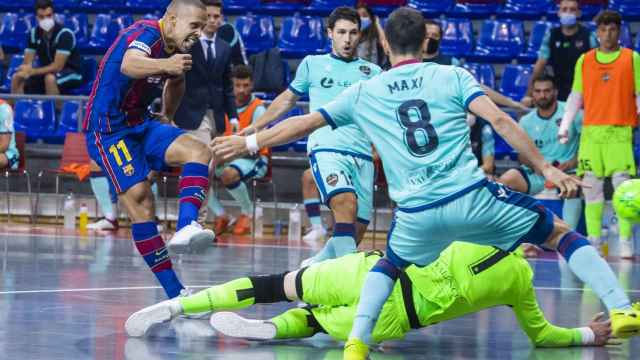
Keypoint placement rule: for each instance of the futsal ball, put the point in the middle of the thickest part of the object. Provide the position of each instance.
(626, 200)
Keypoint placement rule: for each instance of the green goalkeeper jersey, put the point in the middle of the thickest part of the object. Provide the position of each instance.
(467, 278)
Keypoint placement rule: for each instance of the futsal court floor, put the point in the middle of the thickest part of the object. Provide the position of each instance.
(67, 296)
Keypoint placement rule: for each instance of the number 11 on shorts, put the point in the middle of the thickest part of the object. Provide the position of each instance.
(113, 149)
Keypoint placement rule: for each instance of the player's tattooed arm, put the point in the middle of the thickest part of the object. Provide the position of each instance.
(227, 148)
(282, 104)
(504, 125)
(138, 65)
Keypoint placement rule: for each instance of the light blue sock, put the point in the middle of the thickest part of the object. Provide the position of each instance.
(590, 267)
(327, 252)
(240, 194)
(343, 239)
(571, 212)
(100, 188)
(377, 287)
(215, 205)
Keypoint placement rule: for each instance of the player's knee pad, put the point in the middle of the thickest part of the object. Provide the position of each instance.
(269, 288)
(595, 191)
(570, 242)
(618, 178)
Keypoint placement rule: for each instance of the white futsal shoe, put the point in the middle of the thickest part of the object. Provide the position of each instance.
(103, 224)
(314, 236)
(191, 238)
(141, 321)
(234, 325)
(626, 249)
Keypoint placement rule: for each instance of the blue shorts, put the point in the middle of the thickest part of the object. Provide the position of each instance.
(487, 214)
(247, 168)
(337, 171)
(127, 156)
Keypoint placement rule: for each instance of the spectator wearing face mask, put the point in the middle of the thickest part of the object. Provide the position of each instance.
(370, 43)
(56, 49)
(561, 48)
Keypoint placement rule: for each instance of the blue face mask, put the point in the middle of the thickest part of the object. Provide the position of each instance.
(364, 23)
(568, 19)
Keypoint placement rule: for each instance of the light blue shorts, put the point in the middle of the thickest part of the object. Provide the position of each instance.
(338, 171)
(247, 168)
(486, 213)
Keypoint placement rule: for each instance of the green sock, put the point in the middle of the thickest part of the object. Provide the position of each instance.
(293, 324)
(234, 295)
(625, 229)
(240, 194)
(593, 217)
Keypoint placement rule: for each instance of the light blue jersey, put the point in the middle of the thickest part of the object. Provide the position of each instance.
(6, 128)
(544, 132)
(324, 77)
(415, 115)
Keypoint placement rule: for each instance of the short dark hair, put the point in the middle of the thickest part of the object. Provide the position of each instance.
(216, 3)
(405, 31)
(43, 4)
(433, 22)
(343, 13)
(544, 78)
(608, 17)
(174, 4)
(242, 72)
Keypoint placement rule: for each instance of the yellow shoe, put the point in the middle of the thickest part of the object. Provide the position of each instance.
(355, 349)
(626, 323)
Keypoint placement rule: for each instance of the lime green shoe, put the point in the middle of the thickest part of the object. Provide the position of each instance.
(626, 323)
(354, 349)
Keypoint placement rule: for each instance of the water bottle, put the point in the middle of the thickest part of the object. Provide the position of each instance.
(295, 224)
(84, 217)
(259, 229)
(69, 211)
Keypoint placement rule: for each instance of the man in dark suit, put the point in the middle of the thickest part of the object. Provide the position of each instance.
(209, 89)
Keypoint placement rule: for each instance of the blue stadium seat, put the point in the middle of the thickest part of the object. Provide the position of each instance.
(457, 37)
(68, 122)
(301, 36)
(14, 63)
(67, 5)
(12, 5)
(431, 8)
(325, 7)
(297, 146)
(152, 16)
(474, 9)
(105, 30)
(35, 117)
(281, 7)
(286, 79)
(257, 32)
(630, 9)
(515, 80)
(500, 40)
(241, 7)
(530, 54)
(502, 149)
(15, 31)
(89, 71)
(124, 21)
(524, 9)
(78, 23)
(484, 73)
(94, 6)
(146, 6)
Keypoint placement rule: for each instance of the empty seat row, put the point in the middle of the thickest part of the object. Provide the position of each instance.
(91, 6)
(37, 118)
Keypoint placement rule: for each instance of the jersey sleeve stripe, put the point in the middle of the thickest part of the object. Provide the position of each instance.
(471, 98)
(327, 118)
(296, 91)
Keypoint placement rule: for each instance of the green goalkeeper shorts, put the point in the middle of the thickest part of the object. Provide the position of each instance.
(605, 150)
(334, 285)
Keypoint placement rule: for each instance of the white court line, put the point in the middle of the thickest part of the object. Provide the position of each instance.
(17, 292)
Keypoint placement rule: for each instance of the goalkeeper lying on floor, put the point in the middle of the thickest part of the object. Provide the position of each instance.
(466, 278)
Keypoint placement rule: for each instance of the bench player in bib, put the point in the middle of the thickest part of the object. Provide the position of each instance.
(128, 142)
(415, 115)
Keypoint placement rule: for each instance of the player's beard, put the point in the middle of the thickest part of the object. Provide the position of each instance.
(545, 104)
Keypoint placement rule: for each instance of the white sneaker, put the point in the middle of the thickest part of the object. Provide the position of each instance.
(103, 224)
(626, 249)
(141, 321)
(315, 235)
(191, 238)
(234, 325)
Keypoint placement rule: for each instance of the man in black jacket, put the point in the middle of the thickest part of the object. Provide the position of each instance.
(209, 90)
